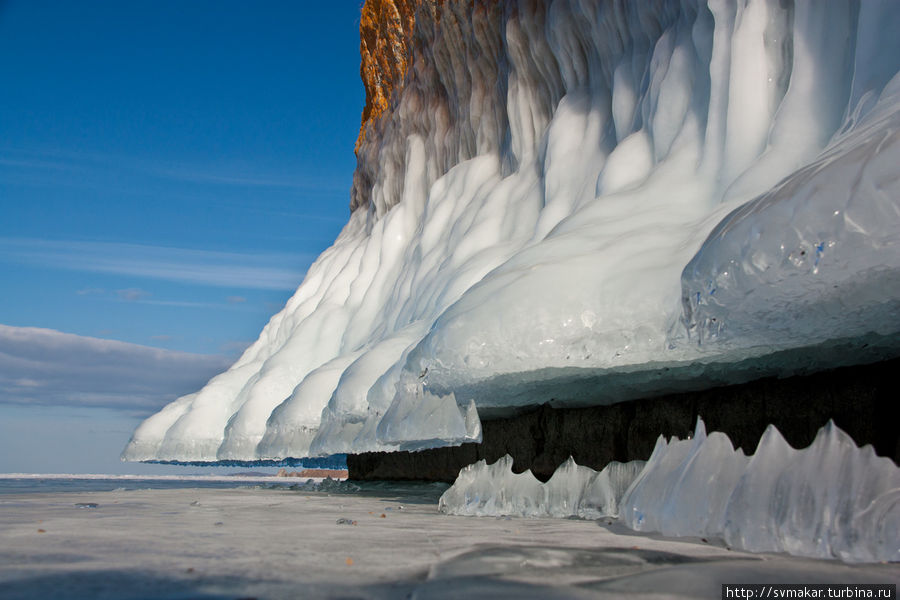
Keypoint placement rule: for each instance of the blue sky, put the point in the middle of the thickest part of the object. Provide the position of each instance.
(168, 172)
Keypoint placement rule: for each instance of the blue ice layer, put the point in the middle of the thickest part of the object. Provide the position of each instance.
(335, 461)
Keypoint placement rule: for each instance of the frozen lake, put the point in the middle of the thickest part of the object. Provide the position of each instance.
(381, 541)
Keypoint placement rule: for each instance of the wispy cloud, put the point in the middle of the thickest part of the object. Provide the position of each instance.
(197, 175)
(132, 294)
(90, 291)
(48, 367)
(235, 347)
(187, 304)
(269, 271)
(140, 296)
(298, 215)
(35, 163)
(31, 166)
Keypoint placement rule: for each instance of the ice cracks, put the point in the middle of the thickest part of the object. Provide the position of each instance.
(829, 500)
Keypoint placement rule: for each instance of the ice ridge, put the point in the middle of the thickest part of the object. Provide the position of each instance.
(572, 491)
(829, 500)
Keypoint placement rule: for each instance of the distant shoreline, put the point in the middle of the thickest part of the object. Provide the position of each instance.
(307, 474)
(314, 473)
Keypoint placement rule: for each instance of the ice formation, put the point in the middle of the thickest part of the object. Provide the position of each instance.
(573, 195)
(573, 491)
(830, 500)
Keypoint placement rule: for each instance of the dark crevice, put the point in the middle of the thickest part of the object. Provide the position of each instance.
(862, 400)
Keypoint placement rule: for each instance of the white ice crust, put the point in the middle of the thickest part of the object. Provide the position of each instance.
(829, 500)
(574, 195)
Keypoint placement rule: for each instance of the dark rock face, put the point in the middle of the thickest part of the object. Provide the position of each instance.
(863, 400)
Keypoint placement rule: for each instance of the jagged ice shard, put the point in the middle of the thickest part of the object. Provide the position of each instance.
(830, 500)
(573, 195)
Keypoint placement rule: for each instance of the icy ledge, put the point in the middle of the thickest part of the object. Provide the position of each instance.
(830, 500)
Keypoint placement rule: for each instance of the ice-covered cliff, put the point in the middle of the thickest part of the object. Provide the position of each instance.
(551, 192)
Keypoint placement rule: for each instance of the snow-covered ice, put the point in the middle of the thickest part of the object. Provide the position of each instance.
(573, 195)
(829, 500)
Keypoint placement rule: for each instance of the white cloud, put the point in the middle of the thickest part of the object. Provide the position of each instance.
(48, 367)
(270, 271)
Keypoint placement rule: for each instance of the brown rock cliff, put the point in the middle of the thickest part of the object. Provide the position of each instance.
(385, 38)
(430, 71)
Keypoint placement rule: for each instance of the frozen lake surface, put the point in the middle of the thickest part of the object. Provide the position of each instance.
(26, 483)
(378, 541)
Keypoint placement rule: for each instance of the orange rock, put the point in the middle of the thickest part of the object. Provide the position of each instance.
(385, 38)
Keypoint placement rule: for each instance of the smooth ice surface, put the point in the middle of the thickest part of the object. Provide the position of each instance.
(568, 199)
(830, 500)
